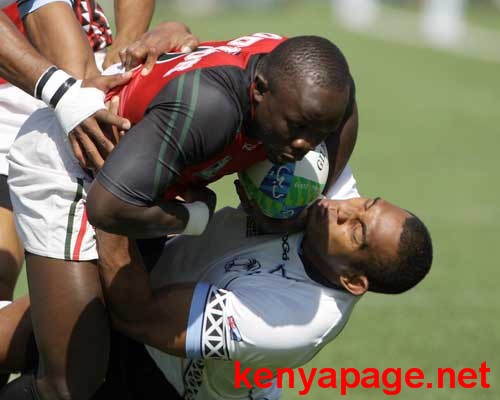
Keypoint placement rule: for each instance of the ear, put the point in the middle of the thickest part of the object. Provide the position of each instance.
(355, 284)
(259, 87)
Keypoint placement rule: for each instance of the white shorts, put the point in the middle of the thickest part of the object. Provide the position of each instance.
(48, 189)
(15, 107)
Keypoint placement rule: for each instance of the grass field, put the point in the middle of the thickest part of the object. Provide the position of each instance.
(429, 141)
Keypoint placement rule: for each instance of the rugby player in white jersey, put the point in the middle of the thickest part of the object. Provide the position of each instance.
(57, 34)
(267, 301)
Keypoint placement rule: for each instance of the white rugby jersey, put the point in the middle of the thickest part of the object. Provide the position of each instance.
(255, 303)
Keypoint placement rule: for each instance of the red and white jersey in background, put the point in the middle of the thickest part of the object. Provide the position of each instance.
(88, 13)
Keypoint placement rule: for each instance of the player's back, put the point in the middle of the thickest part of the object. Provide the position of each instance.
(228, 57)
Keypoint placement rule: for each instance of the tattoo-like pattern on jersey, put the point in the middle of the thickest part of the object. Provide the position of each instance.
(94, 23)
(193, 378)
(213, 336)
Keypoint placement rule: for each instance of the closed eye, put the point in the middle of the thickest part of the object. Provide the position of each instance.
(359, 234)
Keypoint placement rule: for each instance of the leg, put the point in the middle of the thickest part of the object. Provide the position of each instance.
(71, 327)
(11, 250)
(70, 323)
(16, 337)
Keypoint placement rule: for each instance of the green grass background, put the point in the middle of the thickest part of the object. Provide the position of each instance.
(429, 141)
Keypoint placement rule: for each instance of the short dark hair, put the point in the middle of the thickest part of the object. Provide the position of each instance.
(411, 265)
(311, 57)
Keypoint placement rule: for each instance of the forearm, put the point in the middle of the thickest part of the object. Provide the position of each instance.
(340, 147)
(124, 279)
(20, 63)
(142, 222)
(56, 33)
(111, 214)
(132, 21)
(156, 318)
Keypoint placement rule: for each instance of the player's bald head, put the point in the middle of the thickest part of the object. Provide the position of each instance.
(311, 59)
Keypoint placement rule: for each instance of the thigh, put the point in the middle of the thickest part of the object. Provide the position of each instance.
(69, 321)
(11, 250)
(16, 332)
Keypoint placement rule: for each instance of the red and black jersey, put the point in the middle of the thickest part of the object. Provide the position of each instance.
(192, 114)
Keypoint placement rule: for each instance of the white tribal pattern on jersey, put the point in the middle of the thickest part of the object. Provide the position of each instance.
(255, 303)
(88, 13)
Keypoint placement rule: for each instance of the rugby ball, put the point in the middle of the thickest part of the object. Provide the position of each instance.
(283, 191)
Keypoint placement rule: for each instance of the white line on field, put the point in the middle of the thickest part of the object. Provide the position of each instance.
(400, 26)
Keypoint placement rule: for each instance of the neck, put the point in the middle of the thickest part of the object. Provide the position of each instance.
(317, 268)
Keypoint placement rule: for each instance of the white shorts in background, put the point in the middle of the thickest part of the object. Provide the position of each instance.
(48, 189)
(15, 107)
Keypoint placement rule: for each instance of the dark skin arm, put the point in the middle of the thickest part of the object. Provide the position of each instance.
(111, 214)
(166, 36)
(75, 56)
(131, 22)
(55, 32)
(20, 63)
(157, 318)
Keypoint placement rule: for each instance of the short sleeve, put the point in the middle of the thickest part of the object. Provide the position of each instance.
(29, 6)
(345, 186)
(255, 325)
(190, 121)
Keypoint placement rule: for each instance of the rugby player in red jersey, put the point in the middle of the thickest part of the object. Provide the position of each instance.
(214, 112)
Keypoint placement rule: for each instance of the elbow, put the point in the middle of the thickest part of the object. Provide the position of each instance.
(100, 212)
(132, 329)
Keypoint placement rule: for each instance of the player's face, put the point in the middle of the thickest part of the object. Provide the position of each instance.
(290, 121)
(355, 230)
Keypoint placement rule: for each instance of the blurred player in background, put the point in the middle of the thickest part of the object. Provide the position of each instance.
(442, 22)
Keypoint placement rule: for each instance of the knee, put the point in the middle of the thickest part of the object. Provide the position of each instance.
(6, 290)
(9, 272)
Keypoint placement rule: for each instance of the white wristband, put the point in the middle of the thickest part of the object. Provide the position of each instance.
(72, 103)
(77, 105)
(199, 215)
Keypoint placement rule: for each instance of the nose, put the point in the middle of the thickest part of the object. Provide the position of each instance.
(349, 210)
(301, 147)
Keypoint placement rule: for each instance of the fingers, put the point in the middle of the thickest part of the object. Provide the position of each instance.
(189, 44)
(91, 129)
(93, 158)
(112, 57)
(108, 117)
(111, 131)
(107, 82)
(77, 150)
(152, 56)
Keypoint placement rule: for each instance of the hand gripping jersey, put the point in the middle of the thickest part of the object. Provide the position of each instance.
(192, 114)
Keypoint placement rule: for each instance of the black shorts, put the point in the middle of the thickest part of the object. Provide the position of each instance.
(133, 374)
